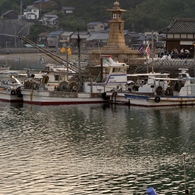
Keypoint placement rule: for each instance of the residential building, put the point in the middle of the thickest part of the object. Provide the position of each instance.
(50, 20)
(79, 37)
(31, 13)
(68, 10)
(65, 39)
(42, 39)
(95, 26)
(53, 39)
(97, 40)
(131, 39)
(11, 14)
(180, 35)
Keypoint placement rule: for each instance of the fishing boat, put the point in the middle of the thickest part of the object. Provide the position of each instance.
(83, 87)
(10, 87)
(68, 91)
(4, 67)
(142, 83)
(178, 91)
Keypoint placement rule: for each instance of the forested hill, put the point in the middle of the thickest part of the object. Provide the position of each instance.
(141, 15)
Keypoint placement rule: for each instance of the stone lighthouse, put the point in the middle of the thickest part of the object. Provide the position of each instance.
(116, 46)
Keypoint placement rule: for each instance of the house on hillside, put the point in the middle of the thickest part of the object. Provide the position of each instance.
(131, 39)
(50, 20)
(180, 35)
(97, 40)
(65, 39)
(42, 39)
(83, 35)
(31, 13)
(95, 26)
(53, 39)
(68, 10)
(11, 14)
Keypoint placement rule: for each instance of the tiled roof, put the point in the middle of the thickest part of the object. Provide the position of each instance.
(53, 33)
(98, 36)
(10, 11)
(43, 34)
(182, 25)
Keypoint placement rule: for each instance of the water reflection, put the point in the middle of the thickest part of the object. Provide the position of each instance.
(94, 149)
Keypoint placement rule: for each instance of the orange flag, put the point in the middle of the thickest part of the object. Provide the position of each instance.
(62, 49)
(69, 51)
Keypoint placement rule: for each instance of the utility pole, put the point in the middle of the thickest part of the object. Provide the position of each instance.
(79, 60)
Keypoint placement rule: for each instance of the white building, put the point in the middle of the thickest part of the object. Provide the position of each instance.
(31, 13)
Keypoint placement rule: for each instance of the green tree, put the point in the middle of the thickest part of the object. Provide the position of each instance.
(36, 29)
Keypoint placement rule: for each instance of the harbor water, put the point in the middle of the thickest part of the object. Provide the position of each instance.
(95, 149)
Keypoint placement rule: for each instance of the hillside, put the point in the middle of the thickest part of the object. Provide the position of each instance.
(141, 15)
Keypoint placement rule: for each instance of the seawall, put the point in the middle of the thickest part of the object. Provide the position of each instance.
(22, 58)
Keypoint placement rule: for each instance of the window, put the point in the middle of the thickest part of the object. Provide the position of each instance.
(190, 36)
(114, 16)
(170, 36)
(57, 77)
(183, 36)
(69, 11)
(176, 36)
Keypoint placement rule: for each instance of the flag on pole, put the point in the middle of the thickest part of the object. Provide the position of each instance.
(62, 49)
(148, 51)
(69, 51)
(141, 48)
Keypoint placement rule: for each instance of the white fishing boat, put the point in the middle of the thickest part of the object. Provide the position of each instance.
(142, 83)
(4, 67)
(178, 91)
(10, 87)
(111, 76)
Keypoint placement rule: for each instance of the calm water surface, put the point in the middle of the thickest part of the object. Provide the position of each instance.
(94, 149)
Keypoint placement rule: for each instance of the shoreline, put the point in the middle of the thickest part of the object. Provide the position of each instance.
(37, 60)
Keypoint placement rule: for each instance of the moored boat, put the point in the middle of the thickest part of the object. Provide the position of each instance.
(142, 83)
(4, 67)
(180, 91)
(67, 91)
(10, 87)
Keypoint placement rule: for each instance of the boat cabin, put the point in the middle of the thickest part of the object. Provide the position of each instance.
(146, 82)
(112, 75)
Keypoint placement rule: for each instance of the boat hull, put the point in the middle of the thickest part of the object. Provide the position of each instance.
(9, 96)
(160, 101)
(59, 97)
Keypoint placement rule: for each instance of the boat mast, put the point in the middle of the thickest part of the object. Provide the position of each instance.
(152, 52)
(79, 60)
(145, 46)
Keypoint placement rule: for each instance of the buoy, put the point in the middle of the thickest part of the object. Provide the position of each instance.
(150, 191)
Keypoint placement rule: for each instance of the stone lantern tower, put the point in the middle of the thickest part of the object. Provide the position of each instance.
(116, 46)
(116, 40)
